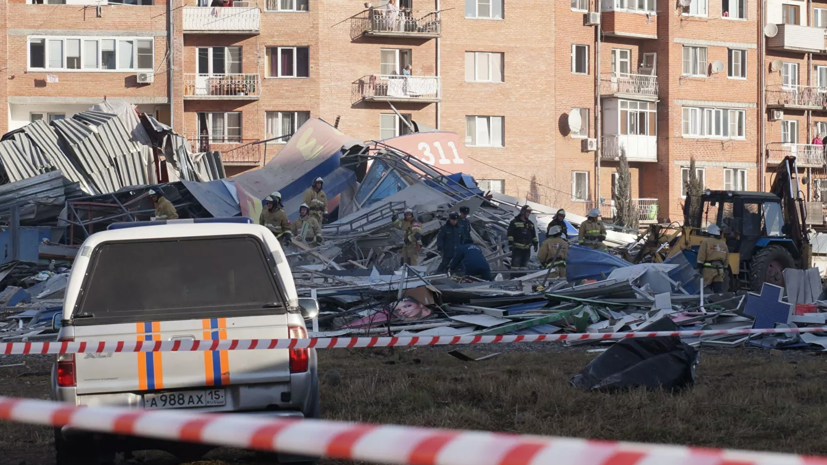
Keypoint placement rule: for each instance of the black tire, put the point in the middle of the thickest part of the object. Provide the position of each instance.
(767, 267)
(80, 452)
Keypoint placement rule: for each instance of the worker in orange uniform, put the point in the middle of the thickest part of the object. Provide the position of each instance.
(316, 199)
(713, 258)
(412, 231)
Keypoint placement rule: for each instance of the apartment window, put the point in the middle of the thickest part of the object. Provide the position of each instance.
(820, 17)
(649, 64)
(491, 185)
(580, 5)
(118, 2)
(621, 61)
(286, 5)
(694, 61)
(284, 123)
(789, 132)
(484, 131)
(483, 67)
(288, 62)
(219, 60)
(222, 127)
(735, 9)
(699, 172)
(485, 9)
(392, 61)
(638, 118)
(735, 179)
(789, 75)
(821, 78)
(820, 129)
(584, 125)
(62, 54)
(46, 117)
(697, 8)
(790, 14)
(737, 64)
(646, 6)
(580, 59)
(390, 125)
(580, 186)
(132, 2)
(713, 123)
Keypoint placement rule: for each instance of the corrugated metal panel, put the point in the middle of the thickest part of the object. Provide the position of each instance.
(132, 169)
(44, 139)
(44, 191)
(16, 166)
(85, 147)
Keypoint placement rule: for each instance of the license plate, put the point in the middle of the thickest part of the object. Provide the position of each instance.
(185, 399)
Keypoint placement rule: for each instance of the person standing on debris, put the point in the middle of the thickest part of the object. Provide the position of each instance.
(713, 258)
(307, 228)
(447, 240)
(554, 251)
(412, 230)
(465, 225)
(592, 232)
(274, 218)
(317, 200)
(559, 220)
(522, 236)
(164, 210)
(471, 260)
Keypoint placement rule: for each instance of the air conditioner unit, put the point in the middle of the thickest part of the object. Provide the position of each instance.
(146, 78)
(776, 115)
(588, 145)
(592, 18)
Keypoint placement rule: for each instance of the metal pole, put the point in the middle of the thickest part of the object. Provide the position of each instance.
(597, 117)
(438, 71)
(14, 226)
(762, 107)
(170, 67)
(313, 295)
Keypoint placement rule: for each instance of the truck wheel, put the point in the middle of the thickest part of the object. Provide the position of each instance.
(767, 267)
(81, 452)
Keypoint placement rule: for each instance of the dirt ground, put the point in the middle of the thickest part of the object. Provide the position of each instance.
(743, 398)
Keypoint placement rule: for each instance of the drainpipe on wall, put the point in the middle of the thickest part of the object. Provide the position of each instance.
(762, 107)
(170, 67)
(598, 131)
(438, 103)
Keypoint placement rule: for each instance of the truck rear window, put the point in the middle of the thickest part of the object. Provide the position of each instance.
(182, 279)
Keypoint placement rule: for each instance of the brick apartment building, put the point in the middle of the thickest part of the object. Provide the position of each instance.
(540, 89)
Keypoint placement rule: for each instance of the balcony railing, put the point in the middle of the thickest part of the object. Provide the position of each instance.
(234, 151)
(222, 20)
(631, 6)
(223, 87)
(796, 96)
(807, 155)
(647, 209)
(641, 85)
(636, 147)
(393, 88)
(792, 37)
(382, 22)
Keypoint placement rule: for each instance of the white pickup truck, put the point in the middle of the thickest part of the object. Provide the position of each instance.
(182, 281)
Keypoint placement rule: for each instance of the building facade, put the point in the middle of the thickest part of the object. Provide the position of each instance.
(547, 94)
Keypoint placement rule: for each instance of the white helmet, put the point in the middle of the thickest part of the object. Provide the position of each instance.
(409, 210)
(304, 205)
(276, 195)
(593, 213)
(319, 179)
(714, 230)
(555, 230)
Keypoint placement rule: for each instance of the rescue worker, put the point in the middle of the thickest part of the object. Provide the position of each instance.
(592, 232)
(447, 240)
(559, 220)
(522, 236)
(649, 251)
(470, 258)
(713, 258)
(274, 218)
(412, 230)
(307, 227)
(316, 199)
(554, 251)
(164, 210)
(465, 224)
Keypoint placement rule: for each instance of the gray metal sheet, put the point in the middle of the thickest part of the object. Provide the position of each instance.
(214, 197)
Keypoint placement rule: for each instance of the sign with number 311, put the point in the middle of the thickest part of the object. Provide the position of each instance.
(440, 149)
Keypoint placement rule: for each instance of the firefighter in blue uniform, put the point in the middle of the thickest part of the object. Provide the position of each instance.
(472, 261)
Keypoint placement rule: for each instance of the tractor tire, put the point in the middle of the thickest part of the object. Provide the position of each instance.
(767, 267)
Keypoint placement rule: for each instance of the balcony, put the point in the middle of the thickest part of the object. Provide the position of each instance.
(807, 155)
(636, 86)
(793, 38)
(239, 19)
(638, 148)
(622, 18)
(647, 209)
(222, 87)
(236, 152)
(393, 88)
(796, 97)
(377, 22)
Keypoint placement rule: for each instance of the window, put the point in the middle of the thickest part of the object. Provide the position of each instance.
(483, 67)
(820, 17)
(821, 78)
(584, 124)
(222, 128)
(734, 9)
(820, 129)
(649, 64)
(713, 123)
(485, 9)
(390, 125)
(789, 132)
(580, 5)
(699, 172)
(580, 186)
(694, 61)
(735, 179)
(484, 131)
(790, 14)
(284, 123)
(132, 2)
(219, 60)
(737, 64)
(697, 8)
(645, 6)
(638, 118)
(62, 54)
(491, 185)
(621, 61)
(289, 62)
(789, 75)
(580, 59)
(46, 116)
(286, 5)
(392, 61)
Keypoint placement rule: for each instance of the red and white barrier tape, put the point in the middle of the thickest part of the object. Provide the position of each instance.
(374, 443)
(82, 347)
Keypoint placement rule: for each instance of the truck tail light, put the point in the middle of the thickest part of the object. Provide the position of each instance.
(66, 370)
(299, 358)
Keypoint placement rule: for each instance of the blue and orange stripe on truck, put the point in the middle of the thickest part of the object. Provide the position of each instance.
(216, 363)
(150, 364)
